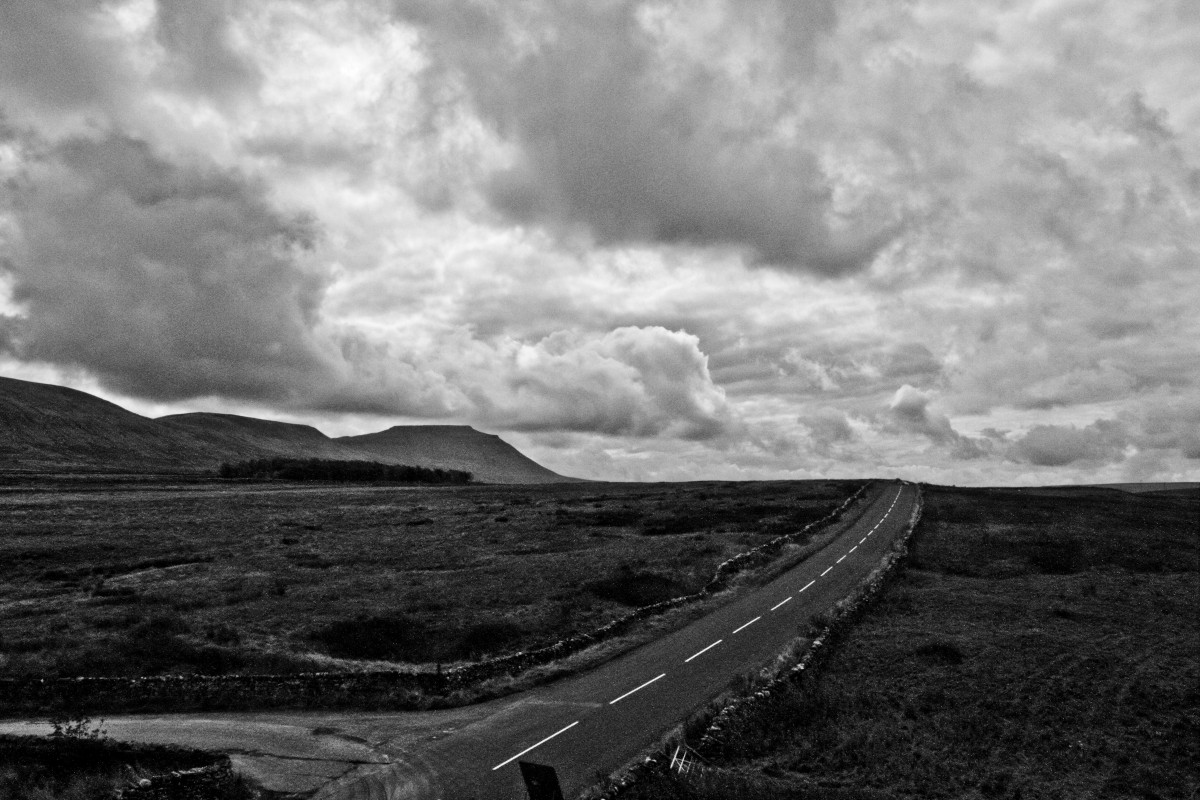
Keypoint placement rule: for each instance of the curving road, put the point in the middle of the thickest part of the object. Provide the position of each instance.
(596, 722)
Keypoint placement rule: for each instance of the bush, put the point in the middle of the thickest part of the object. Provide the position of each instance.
(316, 469)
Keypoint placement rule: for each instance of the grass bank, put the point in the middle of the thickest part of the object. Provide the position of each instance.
(1040, 644)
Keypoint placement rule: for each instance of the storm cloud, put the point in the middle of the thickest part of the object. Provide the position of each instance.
(952, 242)
(169, 281)
(627, 122)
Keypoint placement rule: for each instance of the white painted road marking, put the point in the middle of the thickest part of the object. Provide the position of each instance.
(840, 560)
(748, 624)
(826, 571)
(638, 689)
(810, 583)
(539, 744)
(705, 650)
(782, 602)
(852, 549)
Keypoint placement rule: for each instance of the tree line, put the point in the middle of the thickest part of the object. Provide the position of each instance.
(319, 469)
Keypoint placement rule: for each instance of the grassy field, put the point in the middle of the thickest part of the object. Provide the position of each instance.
(1042, 644)
(116, 579)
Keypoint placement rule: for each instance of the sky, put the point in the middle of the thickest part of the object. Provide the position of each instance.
(639, 239)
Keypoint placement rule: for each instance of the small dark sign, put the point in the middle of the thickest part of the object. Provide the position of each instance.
(541, 781)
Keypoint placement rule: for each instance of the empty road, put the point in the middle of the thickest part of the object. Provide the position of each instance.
(595, 722)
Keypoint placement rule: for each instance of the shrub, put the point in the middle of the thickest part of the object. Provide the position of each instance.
(316, 469)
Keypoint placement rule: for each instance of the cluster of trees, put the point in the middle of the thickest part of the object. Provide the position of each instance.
(318, 469)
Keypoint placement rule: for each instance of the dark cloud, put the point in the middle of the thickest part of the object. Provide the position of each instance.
(828, 426)
(635, 146)
(165, 280)
(909, 411)
(1166, 425)
(1057, 445)
(52, 56)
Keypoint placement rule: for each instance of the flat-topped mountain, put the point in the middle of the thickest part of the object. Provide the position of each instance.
(47, 428)
(489, 458)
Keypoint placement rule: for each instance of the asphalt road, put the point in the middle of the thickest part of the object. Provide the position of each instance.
(596, 722)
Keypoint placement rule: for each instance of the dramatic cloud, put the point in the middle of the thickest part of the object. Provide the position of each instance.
(645, 238)
(632, 381)
(170, 281)
(631, 120)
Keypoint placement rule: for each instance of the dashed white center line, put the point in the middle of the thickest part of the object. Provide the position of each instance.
(631, 691)
(781, 603)
(852, 549)
(863, 539)
(539, 744)
(840, 560)
(748, 624)
(826, 570)
(810, 583)
(702, 652)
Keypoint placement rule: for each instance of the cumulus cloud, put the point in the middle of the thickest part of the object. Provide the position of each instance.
(628, 120)
(1005, 196)
(629, 382)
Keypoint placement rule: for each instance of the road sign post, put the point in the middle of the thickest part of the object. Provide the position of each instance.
(541, 781)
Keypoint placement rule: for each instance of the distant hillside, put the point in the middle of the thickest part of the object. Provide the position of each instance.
(238, 438)
(53, 428)
(46, 428)
(489, 458)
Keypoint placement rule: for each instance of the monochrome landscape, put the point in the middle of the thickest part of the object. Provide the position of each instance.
(470, 399)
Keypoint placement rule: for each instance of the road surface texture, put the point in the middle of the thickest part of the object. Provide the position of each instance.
(583, 726)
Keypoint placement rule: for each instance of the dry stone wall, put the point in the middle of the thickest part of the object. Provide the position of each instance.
(721, 732)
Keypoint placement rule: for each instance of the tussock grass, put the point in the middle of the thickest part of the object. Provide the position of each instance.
(1041, 646)
(147, 578)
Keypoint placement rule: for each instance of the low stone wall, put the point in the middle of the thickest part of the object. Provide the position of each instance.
(382, 690)
(721, 731)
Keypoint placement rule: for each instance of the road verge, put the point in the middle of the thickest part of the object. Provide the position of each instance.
(719, 726)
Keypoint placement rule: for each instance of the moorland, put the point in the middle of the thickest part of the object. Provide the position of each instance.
(140, 577)
(1041, 643)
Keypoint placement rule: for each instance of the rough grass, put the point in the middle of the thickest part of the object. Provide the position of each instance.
(122, 579)
(1040, 645)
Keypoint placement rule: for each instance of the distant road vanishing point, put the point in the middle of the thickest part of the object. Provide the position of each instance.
(595, 722)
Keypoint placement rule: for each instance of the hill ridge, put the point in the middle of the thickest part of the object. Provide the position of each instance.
(47, 428)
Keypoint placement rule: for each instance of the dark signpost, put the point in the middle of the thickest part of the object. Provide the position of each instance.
(541, 781)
